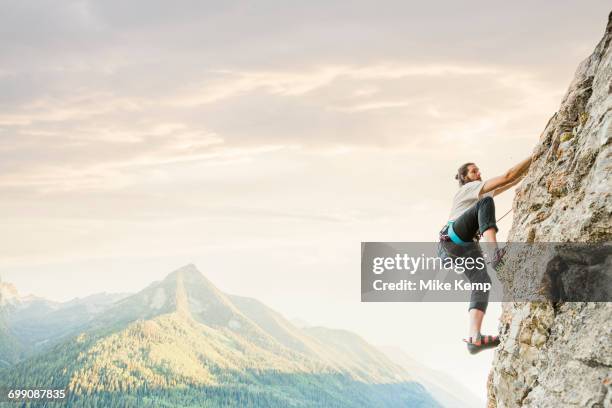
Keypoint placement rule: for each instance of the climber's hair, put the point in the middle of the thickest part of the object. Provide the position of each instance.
(462, 172)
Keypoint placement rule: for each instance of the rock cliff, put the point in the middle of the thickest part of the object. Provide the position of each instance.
(559, 354)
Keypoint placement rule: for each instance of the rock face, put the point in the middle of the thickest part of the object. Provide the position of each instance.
(560, 354)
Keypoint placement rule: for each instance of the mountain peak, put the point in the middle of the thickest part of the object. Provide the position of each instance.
(189, 275)
(189, 269)
(186, 291)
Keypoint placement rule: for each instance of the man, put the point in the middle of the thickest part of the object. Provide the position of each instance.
(473, 215)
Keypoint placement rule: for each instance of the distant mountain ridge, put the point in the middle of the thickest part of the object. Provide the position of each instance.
(182, 342)
(446, 390)
(31, 322)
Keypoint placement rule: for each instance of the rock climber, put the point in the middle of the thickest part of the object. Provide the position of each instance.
(472, 216)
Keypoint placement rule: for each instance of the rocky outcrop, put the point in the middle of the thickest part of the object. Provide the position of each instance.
(559, 354)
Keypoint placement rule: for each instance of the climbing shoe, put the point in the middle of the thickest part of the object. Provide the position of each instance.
(498, 258)
(481, 342)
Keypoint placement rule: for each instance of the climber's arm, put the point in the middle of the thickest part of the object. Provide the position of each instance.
(508, 177)
(500, 190)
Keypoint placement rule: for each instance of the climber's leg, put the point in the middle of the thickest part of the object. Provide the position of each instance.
(478, 218)
(475, 272)
(476, 316)
(486, 218)
(490, 235)
(481, 218)
(479, 299)
(476, 341)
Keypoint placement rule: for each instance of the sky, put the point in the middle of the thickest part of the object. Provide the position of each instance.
(263, 141)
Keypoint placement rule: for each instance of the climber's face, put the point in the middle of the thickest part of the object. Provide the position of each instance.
(473, 173)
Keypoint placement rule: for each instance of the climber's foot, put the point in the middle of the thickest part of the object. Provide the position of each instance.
(498, 258)
(481, 342)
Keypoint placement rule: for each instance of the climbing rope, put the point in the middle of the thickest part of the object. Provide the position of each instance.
(508, 212)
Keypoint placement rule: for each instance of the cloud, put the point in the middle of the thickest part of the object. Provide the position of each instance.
(97, 135)
(296, 83)
(96, 91)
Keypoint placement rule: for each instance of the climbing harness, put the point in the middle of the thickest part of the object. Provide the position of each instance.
(453, 235)
(448, 233)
